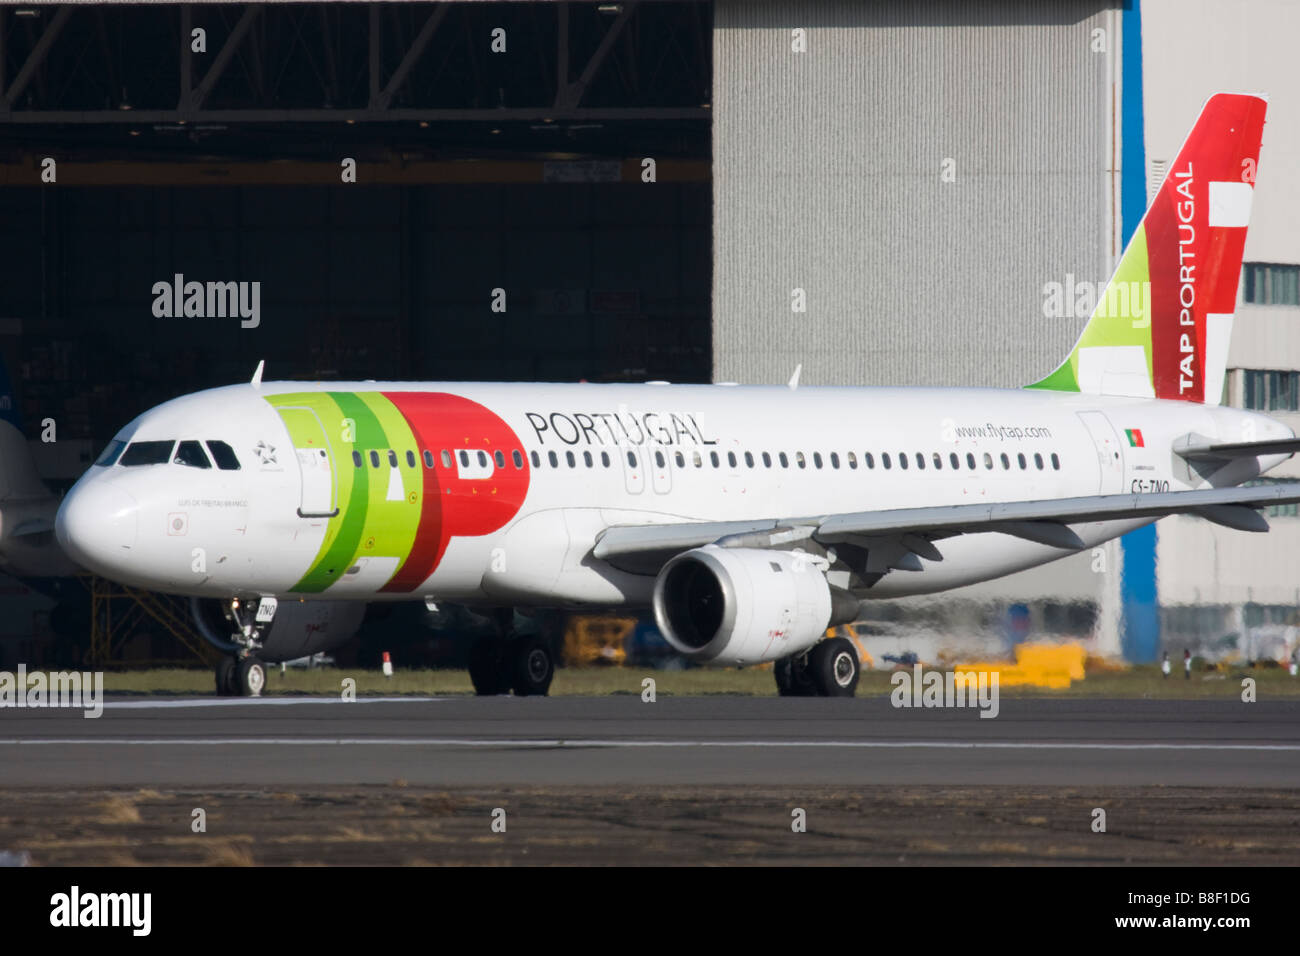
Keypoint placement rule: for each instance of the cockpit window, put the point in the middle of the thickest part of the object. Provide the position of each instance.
(223, 455)
(191, 453)
(147, 453)
(110, 454)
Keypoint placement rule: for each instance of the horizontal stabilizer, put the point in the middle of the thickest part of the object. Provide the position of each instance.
(1196, 448)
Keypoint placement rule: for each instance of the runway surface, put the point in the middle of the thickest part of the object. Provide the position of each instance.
(621, 740)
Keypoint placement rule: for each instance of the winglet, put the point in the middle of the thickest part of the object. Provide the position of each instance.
(257, 376)
(794, 379)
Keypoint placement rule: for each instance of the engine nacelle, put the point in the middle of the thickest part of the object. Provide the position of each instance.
(742, 605)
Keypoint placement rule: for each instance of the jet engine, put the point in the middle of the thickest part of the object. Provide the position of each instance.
(744, 605)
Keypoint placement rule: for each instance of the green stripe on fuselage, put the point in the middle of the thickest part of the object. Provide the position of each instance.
(367, 525)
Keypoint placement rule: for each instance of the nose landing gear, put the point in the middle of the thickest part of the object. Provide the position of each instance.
(243, 674)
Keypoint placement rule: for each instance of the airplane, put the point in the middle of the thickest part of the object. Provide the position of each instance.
(751, 519)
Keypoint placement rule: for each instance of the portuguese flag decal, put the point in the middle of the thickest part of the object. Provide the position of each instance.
(1134, 437)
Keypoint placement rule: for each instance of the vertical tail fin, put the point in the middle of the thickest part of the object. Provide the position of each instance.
(1161, 326)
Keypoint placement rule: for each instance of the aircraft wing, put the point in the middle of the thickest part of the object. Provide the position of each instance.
(1044, 521)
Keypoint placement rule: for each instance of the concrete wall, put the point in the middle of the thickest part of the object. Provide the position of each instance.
(828, 177)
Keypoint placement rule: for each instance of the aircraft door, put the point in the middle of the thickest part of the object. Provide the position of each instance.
(633, 468)
(315, 463)
(1110, 462)
(661, 475)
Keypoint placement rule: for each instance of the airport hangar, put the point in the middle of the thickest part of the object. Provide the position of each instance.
(936, 186)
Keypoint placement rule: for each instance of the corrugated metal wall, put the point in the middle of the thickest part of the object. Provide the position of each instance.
(828, 177)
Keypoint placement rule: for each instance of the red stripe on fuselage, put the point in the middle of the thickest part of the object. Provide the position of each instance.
(455, 506)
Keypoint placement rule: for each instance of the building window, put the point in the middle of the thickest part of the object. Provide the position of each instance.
(1267, 283)
(1269, 391)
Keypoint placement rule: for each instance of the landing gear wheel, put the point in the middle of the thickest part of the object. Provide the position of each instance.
(250, 677)
(226, 677)
(792, 677)
(532, 667)
(833, 665)
(485, 667)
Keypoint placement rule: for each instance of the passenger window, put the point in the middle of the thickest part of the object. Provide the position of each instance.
(869, 458)
(1006, 462)
(749, 460)
(536, 459)
(853, 461)
(428, 458)
(713, 458)
(568, 456)
(553, 459)
(110, 454)
(681, 460)
(410, 459)
(970, 461)
(767, 460)
(954, 461)
(988, 460)
(446, 458)
(482, 459)
(374, 458)
(938, 461)
(835, 460)
(499, 457)
(190, 453)
(392, 458)
(464, 458)
(817, 459)
(1038, 461)
(586, 458)
(698, 459)
(1056, 462)
(659, 459)
(518, 459)
(356, 459)
(223, 455)
(920, 461)
(731, 459)
(604, 458)
(785, 462)
(631, 458)
(902, 460)
(884, 460)
(1020, 458)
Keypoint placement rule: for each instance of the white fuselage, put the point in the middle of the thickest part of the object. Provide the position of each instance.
(622, 455)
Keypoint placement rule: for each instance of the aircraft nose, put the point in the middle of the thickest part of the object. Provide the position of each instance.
(96, 526)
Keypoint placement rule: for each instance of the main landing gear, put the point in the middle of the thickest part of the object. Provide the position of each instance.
(828, 669)
(505, 661)
(244, 674)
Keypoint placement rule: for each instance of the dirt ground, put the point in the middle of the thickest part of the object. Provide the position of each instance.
(402, 825)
